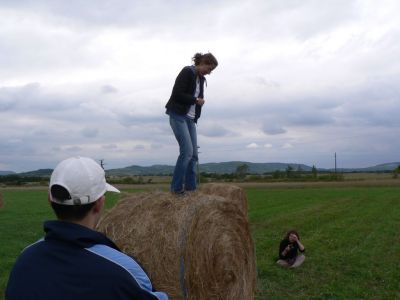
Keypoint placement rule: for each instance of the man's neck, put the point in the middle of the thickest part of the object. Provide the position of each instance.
(87, 222)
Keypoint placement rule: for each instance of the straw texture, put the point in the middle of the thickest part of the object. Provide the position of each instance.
(193, 247)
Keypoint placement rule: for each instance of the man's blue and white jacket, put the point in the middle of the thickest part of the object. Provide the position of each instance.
(75, 262)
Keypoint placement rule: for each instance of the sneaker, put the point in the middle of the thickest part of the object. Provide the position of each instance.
(180, 193)
(190, 191)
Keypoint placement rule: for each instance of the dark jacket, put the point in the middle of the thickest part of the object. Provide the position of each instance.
(182, 96)
(75, 262)
(292, 252)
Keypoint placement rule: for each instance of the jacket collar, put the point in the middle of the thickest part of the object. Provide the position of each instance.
(75, 234)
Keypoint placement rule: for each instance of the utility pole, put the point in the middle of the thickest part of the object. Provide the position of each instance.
(102, 163)
(335, 164)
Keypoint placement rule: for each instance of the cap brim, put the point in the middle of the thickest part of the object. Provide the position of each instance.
(110, 188)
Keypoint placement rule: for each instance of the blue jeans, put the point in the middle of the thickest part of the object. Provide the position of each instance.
(184, 129)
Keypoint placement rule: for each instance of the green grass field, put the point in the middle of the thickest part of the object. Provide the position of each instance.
(351, 237)
(350, 234)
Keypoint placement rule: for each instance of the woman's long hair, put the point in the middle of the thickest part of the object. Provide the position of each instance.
(207, 58)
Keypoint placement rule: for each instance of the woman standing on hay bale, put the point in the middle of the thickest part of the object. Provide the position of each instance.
(184, 109)
(288, 250)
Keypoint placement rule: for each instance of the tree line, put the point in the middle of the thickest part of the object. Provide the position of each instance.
(242, 173)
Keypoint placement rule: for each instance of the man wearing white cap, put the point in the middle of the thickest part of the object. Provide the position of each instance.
(73, 261)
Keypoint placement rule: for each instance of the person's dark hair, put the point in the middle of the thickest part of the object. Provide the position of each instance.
(68, 212)
(207, 59)
(290, 232)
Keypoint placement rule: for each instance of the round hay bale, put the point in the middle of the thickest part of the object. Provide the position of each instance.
(234, 193)
(193, 247)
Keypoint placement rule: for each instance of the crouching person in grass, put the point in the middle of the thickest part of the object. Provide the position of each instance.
(73, 261)
(288, 250)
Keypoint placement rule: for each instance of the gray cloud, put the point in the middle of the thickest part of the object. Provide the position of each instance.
(92, 78)
(11, 97)
(110, 147)
(74, 149)
(310, 118)
(108, 89)
(266, 82)
(213, 130)
(139, 147)
(273, 129)
(90, 132)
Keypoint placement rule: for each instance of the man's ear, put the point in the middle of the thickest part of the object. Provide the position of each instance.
(98, 206)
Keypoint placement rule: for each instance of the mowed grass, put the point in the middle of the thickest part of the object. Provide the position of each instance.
(351, 237)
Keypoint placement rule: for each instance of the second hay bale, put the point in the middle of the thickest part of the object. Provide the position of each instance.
(200, 244)
(234, 193)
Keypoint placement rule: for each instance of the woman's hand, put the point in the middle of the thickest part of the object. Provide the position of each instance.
(287, 249)
(200, 101)
(295, 239)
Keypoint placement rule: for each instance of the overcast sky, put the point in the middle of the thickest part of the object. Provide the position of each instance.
(297, 81)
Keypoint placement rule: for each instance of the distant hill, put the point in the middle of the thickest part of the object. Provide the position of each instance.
(218, 168)
(382, 167)
(3, 173)
(37, 173)
(378, 168)
(231, 167)
(139, 170)
(259, 168)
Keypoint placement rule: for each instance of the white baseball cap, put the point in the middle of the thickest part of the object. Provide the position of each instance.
(83, 178)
